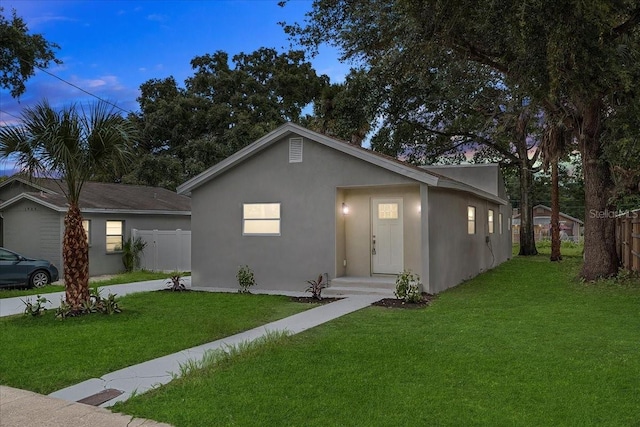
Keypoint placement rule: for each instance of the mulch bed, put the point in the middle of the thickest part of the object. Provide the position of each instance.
(398, 303)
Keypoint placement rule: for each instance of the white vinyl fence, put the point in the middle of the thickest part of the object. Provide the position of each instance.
(166, 250)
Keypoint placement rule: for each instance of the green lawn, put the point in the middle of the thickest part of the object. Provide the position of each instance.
(524, 344)
(566, 248)
(44, 354)
(135, 276)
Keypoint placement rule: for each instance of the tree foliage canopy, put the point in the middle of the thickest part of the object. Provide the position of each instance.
(574, 60)
(224, 106)
(21, 53)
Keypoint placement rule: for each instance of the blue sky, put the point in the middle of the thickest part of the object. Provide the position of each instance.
(110, 48)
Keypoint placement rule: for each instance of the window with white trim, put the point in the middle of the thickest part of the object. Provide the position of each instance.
(471, 219)
(115, 236)
(490, 220)
(261, 219)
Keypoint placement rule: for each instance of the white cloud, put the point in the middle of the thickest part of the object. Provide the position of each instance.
(157, 18)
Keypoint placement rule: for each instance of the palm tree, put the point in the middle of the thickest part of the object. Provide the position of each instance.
(72, 144)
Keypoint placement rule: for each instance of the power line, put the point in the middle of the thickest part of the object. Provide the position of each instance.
(77, 87)
(9, 114)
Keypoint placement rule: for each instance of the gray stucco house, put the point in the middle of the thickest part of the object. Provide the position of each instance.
(32, 218)
(295, 204)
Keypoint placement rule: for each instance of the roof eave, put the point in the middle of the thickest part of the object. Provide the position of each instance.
(34, 199)
(134, 211)
(275, 135)
(455, 185)
(24, 181)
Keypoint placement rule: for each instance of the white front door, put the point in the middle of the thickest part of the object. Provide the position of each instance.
(386, 236)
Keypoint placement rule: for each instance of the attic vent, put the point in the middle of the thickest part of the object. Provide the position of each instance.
(295, 150)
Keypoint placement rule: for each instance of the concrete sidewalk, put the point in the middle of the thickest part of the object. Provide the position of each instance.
(23, 408)
(19, 407)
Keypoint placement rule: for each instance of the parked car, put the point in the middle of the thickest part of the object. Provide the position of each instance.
(16, 269)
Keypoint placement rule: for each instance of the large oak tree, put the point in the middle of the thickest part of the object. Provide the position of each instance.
(571, 58)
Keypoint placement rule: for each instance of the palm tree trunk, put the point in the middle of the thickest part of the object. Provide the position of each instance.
(75, 255)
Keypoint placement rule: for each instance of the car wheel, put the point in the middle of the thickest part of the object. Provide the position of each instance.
(39, 279)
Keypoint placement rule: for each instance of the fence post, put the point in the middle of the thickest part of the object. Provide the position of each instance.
(635, 250)
(628, 239)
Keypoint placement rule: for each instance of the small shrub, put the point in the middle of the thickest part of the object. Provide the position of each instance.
(95, 304)
(316, 286)
(36, 308)
(175, 283)
(110, 305)
(246, 279)
(64, 310)
(131, 251)
(408, 287)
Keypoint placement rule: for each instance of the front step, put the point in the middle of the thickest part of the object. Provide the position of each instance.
(377, 285)
(338, 291)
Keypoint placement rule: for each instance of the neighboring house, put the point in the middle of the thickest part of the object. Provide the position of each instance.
(296, 204)
(569, 226)
(32, 218)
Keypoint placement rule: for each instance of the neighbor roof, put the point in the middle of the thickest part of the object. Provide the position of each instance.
(549, 209)
(100, 197)
(383, 161)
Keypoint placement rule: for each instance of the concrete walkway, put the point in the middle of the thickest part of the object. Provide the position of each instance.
(19, 407)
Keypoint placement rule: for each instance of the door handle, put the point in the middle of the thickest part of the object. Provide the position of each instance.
(373, 246)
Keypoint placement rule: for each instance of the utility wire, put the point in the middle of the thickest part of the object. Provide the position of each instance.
(9, 114)
(76, 86)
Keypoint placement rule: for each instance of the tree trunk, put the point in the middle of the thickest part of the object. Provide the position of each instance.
(527, 238)
(75, 255)
(600, 256)
(555, 211)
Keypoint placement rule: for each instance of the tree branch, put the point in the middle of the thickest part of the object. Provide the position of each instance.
(628, 25)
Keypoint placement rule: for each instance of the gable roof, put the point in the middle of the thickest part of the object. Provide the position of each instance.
(101, 197)
(549, 209)
(386, 162)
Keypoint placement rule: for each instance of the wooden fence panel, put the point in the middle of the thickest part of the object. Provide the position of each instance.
(628, 239)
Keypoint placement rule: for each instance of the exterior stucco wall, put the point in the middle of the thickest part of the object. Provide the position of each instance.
(358, 227)
(455, 255)
(310, 201)
(34, 231)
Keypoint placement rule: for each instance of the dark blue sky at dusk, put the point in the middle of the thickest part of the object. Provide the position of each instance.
(110, 48)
